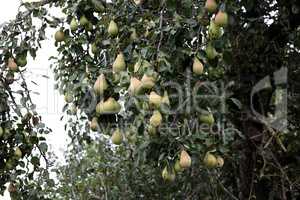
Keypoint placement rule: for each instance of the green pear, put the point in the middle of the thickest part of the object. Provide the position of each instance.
(83, 21)
(214, 31)
(100, 85)
(168, 174)
(211, 6)
(94, 124)
(156, 119)
(148, 82)
(59, 36)
(18, 153)
(221, 19)
(117, 137)
(197, 66)
(73, 24)
(135, 86)
(113, 29)
(207, 119)
(152, 131)
(210, 161)
(185, 160)
(211, 52)
(22, 61)
(119, 64)
(133, 35)
(177, 166)
(154, 99)
(12, 66)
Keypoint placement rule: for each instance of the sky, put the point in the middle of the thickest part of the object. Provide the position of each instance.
(49, 102)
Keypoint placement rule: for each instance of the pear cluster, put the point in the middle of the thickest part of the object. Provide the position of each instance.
(218, 22)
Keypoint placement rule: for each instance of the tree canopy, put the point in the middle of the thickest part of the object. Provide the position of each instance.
(169, 99)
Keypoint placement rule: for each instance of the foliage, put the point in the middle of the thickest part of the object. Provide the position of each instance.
(171, 76)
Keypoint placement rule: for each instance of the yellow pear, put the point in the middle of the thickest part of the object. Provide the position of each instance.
(221, 19)
(110, 106)
(117, 137)
(113, 29)
(210, 161)
(18, 152)
(94, 124)
(156, 119)
(154, 99)
(185, 160)
(211, 6)
(165, 99)
(100, 85)
(220, 161)
(12, 66)
(73, 24)
(59, 36)
(135, 86)
(148, 82)
(177, 166)
(168, 174)
(197, 66)
(119, 64)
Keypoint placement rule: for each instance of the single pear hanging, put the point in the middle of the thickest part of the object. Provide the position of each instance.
(94, 124)
(73, 24)
(148, 82)
(197, 66)
(211, 6)
(100, 85)
(59, 36)
(210, 161)
(117, 137)
(185, 160)
(156, 119)
(211, 52)
(135, 86)
(221, 19)
(12, 65)
(113, 29)
(155, 100)
(119, 64)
